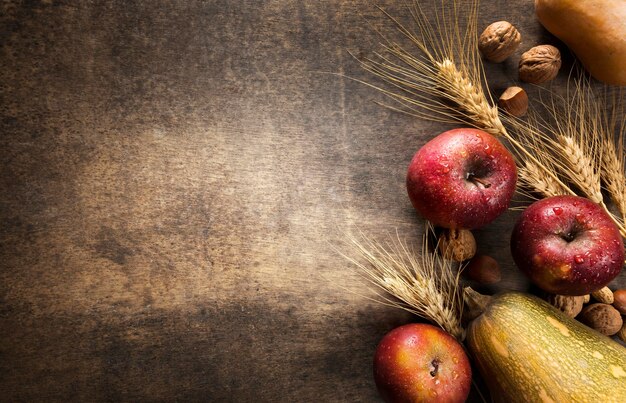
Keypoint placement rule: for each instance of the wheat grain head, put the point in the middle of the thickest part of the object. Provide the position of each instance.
(423, 283)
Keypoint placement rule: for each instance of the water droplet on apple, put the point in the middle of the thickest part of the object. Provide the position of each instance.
(579, 217)
(579, 259)
(557, 210)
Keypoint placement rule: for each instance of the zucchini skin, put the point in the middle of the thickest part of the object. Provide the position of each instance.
(528, 351)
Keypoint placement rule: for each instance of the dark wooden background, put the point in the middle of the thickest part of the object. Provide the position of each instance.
(175, 177)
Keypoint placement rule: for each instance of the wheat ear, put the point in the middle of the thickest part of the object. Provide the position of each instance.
(421, 283)
(580, 167)
(532, 176)
(613, 167)
(470, 97)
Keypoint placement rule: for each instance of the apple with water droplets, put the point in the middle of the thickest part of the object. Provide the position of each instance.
(419, 362)
(567, 245)
(461, 179)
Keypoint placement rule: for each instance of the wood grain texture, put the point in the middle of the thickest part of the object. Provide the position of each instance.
(176, 177)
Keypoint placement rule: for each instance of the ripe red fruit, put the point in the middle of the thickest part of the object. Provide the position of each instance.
(463, 178)
(567, 245)
(421, 363)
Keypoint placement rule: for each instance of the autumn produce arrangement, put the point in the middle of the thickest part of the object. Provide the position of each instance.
(565, 157)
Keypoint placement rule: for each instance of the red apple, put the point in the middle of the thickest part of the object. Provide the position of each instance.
(567, 245)
(463, 178)
(421, 363)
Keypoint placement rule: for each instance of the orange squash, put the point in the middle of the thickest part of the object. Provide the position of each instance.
(528, 351)
(595, 30)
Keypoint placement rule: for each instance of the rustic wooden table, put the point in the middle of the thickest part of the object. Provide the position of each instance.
(175, 178)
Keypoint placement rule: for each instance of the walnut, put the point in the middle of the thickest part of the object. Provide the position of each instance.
(498, 41)
(539, 64)
(514, 100)
(569, 305)
(457, 244)
(604, 295)
(603, 318)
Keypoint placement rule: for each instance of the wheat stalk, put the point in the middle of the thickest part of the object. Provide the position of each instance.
(613, 166)
(442, 72)
(613, 160)
(576, 143)
(424, 284)
(470, 97)
(532, 176)
(443, 81)
(580, 167)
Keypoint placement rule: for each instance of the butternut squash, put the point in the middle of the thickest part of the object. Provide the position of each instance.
(528, 351)
(595, 30)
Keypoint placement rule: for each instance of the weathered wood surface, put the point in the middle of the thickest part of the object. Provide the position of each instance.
(175, 178)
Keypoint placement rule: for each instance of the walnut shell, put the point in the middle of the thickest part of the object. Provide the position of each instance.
(604, 295)
(602, 317)
(569, 305)
(498, 41)
(539, 64)
(458, 245)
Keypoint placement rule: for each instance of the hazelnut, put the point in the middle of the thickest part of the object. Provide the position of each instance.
(483, 269)
(602, 317)
(539, 64)
(604, 295)
(514, 100)
(457, 244)
(619, 301)
(569, 305)
(498, 41)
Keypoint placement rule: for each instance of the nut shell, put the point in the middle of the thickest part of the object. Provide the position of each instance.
(483, 269)
(602, 317)
(604, 295)
(539, 64)
(569, 305)
(499, 41)
(514, 100)
(458, 245)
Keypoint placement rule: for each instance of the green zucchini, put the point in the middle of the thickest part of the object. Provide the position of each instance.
(528, 351)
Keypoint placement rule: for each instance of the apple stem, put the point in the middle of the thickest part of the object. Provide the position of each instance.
(478, 180)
